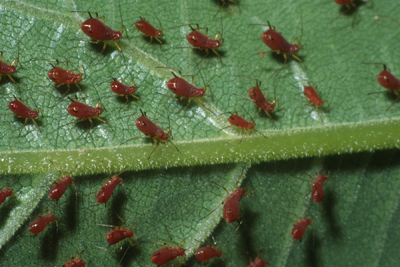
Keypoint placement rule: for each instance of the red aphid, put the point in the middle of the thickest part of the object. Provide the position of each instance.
(259, 99)
(8, 69)
(312, 96)
(231, 209)
(58, 189)
(299, 228)
(77, 262)
(107, 189)
(99, 31)
(118, 234)
(145, 27)
(317, 190)
(4, 194)
(167, 254)
(83, 111)
(62, 76)
(240, 122)
(206, 253)
(278, 43)
(23, 111)
(388, 80)
(182, 88)
(124, 90)
(150, 129)
(40, 223)
(201, 41)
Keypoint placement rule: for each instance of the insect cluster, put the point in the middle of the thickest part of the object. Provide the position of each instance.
(95, 28)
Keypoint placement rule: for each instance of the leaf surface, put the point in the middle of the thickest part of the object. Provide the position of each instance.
(175, 189)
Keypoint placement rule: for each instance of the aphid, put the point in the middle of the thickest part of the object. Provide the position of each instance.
(231, 209)
(312, 96)
(9, 69)
(240, 122)
(167, 254)
(58, 189)
(201, 41)
(100, 32)
(208, 252)
(40, 223)
(182, 88)
(77, 262)
(300, 227)
(317, 191)
(387, 80)
(5, 193)
(85, 112)
(119, 233)
(124, 90)
(145, 27)
(62, 76)
(23, 111)
(278, 44)
(259, 99)
(148, 128)
(107, 189)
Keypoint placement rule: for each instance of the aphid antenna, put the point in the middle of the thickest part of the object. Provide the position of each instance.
(190, 25)
(373, 63)
(105, 249)
(206, 86)
(132, 115)
(161, 27)
(241, 96)
(168, 96)
(17, 59)
(122, 21)
(133, 139)
(258, 82)
(237, 228)
(99, 101)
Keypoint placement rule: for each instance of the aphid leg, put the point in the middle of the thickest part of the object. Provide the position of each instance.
(205, 106)
(398, 96)
(188, 103)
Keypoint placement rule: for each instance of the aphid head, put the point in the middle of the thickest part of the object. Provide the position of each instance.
(294, 48)
(159, 33)
(13, 104)
(387, 80)
(116, 35)
(11, 69)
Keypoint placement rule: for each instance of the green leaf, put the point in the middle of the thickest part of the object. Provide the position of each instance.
(175, 189)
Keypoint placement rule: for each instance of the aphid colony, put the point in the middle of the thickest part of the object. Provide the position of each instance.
(99, 32)
(166, 254)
